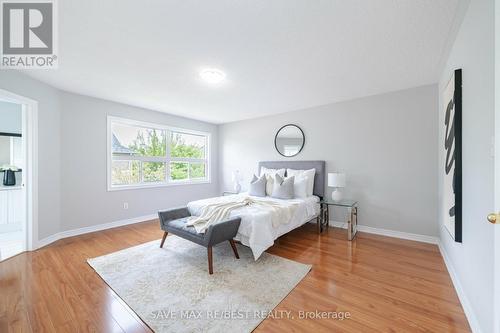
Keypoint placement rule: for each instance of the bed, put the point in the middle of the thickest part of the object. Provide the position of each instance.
(256, 229)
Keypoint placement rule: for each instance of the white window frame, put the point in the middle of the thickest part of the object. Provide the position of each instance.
(169, 129)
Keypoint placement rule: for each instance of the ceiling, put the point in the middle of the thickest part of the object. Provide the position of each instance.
(278, 55)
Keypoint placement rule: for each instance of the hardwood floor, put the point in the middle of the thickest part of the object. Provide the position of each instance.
(385, 284)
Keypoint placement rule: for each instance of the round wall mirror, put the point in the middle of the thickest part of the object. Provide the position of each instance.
(289, 140)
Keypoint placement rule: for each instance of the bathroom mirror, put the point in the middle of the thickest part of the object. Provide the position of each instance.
(289, 140)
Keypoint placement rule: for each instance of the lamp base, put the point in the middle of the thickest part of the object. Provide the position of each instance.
(337, 195)
(237, 187)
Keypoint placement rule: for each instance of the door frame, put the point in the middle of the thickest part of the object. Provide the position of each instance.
(30, 148)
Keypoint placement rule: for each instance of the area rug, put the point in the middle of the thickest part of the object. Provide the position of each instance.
(171, 290)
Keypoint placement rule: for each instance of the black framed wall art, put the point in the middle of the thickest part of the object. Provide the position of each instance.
(452, 145)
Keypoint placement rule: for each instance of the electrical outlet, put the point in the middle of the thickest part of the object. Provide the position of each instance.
(125, 205)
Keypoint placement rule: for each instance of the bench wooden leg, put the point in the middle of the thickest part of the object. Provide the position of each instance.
(210, 264)
(163, 238)
(235, 250)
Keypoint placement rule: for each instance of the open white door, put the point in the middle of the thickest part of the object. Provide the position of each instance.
(496, 227)
(494, 218)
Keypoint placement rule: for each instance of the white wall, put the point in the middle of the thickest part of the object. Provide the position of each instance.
(386, 145)
(72, 159)
(11, 118)
(85, 200)
(4, 150)
(473, 51)
(49, 139)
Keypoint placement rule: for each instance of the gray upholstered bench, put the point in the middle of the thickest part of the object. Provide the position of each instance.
(174, 221)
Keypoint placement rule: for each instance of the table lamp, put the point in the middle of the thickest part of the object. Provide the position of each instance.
(337, 181)
(236, 178)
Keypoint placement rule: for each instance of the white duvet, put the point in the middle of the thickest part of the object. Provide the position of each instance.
(257, 229)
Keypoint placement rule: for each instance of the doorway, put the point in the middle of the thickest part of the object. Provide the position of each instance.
(18, 174)
(12, 189)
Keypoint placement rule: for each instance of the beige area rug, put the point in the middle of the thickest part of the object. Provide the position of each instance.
(171, 290)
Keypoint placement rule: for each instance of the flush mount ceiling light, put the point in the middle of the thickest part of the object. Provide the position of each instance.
(212, 75)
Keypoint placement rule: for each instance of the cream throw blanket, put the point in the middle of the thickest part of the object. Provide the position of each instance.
(281, 213)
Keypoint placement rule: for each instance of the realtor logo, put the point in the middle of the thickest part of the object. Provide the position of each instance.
(28, 34)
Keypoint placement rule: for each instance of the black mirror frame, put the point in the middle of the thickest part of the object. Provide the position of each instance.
(303, 140)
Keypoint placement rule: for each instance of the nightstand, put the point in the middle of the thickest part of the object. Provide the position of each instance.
(229, 193)
(352, 207)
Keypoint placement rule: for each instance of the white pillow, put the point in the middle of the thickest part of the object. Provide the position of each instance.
(258, 186)
(272, 172)
(269, 184)
(300, 187)
(308, 174)
(283, 188)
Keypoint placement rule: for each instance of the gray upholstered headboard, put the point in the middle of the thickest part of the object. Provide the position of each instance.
(319, 178)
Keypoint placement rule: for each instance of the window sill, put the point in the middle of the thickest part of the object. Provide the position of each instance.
(156, 185)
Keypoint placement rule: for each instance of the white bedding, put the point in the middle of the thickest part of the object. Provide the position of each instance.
(256, 229)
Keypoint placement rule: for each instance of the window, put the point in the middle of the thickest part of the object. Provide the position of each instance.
(143, 154)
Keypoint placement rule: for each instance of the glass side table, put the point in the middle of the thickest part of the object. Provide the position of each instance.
(352, 207)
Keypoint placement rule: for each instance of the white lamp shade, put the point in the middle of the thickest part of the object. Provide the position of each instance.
(336, 179)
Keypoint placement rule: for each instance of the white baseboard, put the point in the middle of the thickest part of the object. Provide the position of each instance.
(464, 300)
(80, 231)
(389, 233)
(46, 241)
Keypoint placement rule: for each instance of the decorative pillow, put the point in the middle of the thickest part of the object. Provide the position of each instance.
(270, 173)
(300, 187)
(258, 186)
(283, 187)
(308, 174)
(269, 184)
